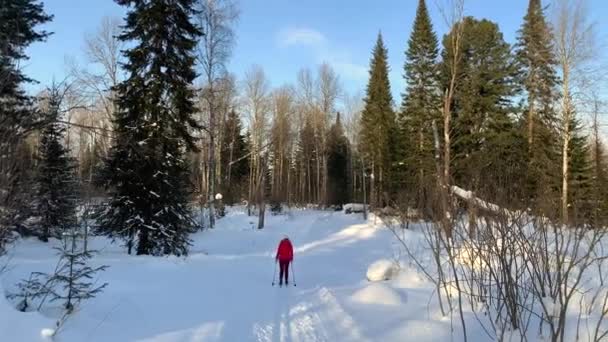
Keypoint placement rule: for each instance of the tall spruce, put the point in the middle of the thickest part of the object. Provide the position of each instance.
(56, 181)
(148, 173)
(19, 20)
(537, 61)
(378, 126)
(486, 148)
(420, 106)
(338, 149)
(580, 175)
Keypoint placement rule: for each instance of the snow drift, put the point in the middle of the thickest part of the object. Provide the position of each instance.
(382, 269)
(377, 294)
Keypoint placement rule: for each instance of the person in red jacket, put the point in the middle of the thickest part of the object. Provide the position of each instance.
(284, 257)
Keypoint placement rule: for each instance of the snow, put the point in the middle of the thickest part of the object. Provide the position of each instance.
(22, 326)
(377, 294)
(382, 269)
(222, 291)
(470, 196)
(354, 208)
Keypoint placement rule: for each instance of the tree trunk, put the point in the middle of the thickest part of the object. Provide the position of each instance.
(567, 111)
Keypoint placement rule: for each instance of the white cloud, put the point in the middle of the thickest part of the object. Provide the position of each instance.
(323, 51)
(301, 36)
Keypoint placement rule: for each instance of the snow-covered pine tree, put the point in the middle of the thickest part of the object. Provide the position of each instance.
(18, 22)
(56, 181)
(154, 125)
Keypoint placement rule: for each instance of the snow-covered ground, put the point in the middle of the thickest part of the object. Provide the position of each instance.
(222, 291)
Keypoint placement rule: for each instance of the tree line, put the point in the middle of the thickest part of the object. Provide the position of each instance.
(158, 126)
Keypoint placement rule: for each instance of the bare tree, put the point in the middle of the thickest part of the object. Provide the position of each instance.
(92, 97)
(283, 109)
(216, 18)
(328, 92)
(574, 43)
(257, 107)
(453, 19)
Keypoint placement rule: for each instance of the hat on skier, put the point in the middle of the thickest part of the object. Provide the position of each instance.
(285, 236)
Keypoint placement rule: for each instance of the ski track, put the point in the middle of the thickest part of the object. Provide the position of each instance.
(217, 305)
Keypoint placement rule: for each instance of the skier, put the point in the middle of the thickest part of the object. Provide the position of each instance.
(284, 257)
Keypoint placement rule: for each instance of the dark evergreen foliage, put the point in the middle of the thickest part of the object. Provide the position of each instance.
(147, 171)
(338, 149)
(56, 180)
(18, 117)
(537, 62)
(421, 105)
(486, 144)
(378, 126)
(234, 160)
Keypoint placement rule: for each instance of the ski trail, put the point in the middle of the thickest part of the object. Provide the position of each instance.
(317, 319)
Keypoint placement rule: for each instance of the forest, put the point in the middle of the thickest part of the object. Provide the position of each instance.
(490, 142)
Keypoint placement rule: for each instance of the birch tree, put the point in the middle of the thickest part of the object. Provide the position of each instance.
(574, 48)
(216, 18)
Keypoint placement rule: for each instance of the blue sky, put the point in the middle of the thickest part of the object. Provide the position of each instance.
(285, 35)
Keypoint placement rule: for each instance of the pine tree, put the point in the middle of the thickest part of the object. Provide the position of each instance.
(420, 106)
(580, 174)
(536, 59)
(338, 149)
(18, 22)
(72, 281)
(234, 161)
(378, 126)
(153, 127)
(56, 176)
(486, 146)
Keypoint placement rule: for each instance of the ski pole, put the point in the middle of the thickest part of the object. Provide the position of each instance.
(293, 274)
(274, 275)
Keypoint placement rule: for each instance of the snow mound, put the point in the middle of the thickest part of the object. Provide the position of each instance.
(21, 326)
(382, 269)
(353, 208)
(377, 294)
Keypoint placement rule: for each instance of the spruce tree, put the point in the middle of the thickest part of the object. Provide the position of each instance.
(486, 147)
(18, 30)
(56, 176)
(154, 124)
(235, 164)
(537, 63)
(378, 126)
(599, 184)
(580, 174)
(338, 149)
(420, 106)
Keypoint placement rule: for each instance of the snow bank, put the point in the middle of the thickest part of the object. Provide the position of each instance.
(22, 326)
(382, 269)
(354, 208)
(377, 294)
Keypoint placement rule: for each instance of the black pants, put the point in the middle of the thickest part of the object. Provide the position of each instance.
(284, 267)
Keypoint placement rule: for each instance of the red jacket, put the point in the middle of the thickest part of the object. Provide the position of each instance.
(285, 251)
